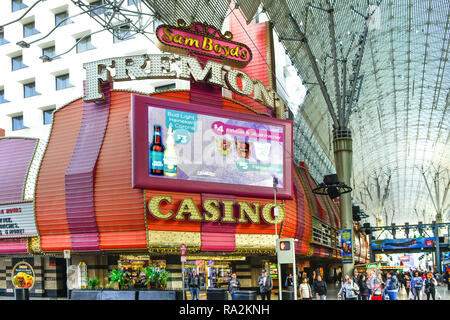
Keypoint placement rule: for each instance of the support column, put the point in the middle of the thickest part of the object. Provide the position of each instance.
(342, 146)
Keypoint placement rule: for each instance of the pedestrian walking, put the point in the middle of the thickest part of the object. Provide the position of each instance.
(355, 280)
(312, 281)
(370, 280)
(377, 290)
(194, 285)
(363, 288)
(349, 290)
(430, 285)
(320, 288)
(392, 286)
(447, 278)
(416, 285)
(234, 285)
(408, 286)
(289, 283)
(265, 285)
(305, 292)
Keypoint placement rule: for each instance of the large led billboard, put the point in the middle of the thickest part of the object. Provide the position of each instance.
(189, 147)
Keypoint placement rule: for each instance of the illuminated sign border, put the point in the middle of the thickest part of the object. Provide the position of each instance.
(139, 128)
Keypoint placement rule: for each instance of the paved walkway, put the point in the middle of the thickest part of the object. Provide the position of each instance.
(442, 292)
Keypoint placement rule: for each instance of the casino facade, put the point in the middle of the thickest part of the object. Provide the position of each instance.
(96, 198)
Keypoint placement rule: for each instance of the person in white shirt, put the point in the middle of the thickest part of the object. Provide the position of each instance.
(305, 290)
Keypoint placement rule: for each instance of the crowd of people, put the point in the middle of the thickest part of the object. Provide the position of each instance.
(373, 284)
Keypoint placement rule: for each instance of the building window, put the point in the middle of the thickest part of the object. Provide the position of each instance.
(17, 123)
(29, 29)
(49, 51)
(122, 34)
(48, 116)
(98, 11)
(2, 38)
(62, 82)
(29, 90)
(17, 5)
(165, 87)
(17, 63)
(2, 96)
(60, 18)
(84, 44)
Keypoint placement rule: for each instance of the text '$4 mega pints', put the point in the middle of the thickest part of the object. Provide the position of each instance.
(156, 153)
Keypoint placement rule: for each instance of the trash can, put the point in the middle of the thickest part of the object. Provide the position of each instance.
(217, 294)
(287, 295)
(244, 295)
(22, 294)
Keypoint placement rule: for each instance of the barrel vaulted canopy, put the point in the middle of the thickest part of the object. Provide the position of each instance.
(399, 115)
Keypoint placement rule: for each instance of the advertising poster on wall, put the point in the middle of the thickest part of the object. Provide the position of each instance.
(23, 275)
(213, 149)
(415, 243)
(346, 243)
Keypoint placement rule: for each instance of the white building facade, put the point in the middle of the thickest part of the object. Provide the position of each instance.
(31, 89)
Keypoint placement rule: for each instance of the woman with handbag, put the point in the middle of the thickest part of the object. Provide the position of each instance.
(349, 290)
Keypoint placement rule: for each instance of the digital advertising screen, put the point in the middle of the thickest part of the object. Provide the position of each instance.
(188, 147)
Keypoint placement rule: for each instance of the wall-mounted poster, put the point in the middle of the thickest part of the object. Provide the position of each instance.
(188, 147)
(23, 275)
(427, 242)
(346, 243)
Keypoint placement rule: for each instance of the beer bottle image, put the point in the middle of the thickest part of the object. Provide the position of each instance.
(170, 155)
(156, 156)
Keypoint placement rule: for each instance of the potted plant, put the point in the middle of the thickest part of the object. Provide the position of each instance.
(156, 279)
(162, 277)
(150, 276)
(119, 278)
(93, 283)
(91, 292)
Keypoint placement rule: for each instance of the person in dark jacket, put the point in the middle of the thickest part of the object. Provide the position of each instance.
(355, 278)
(363, 288)
(289, 283)
(320, 288)
(265, 285)
(234, 285)
(194, 285)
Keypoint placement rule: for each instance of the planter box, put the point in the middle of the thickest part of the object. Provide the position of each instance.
(245, 295)
(217, 294)
(118, 295)
(160, 295)
(85, 295)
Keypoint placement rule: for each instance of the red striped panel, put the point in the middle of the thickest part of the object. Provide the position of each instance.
(13, 246)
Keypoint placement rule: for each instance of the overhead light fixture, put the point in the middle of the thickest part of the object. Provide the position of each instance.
(45, 58)
(332, 187)
(23, 44)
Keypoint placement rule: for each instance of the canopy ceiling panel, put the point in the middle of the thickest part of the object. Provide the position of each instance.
(400, 125)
